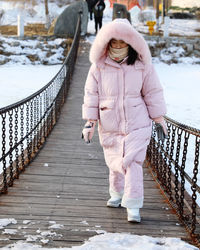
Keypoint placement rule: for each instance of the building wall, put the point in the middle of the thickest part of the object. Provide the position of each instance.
(186, 3)
(146, 3)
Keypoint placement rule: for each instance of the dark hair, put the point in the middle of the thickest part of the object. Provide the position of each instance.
(132, 55)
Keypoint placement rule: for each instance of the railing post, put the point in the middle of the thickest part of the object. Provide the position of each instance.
(194, 185)
(5, 185)
(10, 113)
(16, 141)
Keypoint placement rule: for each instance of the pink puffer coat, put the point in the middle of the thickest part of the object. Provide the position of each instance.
(124, 98)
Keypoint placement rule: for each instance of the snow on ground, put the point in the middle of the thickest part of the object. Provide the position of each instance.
(6, 222)
(102, 241)
(20, 81)
(16, 51)
(181, 90)
(31, 13)
(179, 27)
(116, 241)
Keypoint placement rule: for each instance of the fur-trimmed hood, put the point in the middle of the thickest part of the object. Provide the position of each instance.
(119, 29)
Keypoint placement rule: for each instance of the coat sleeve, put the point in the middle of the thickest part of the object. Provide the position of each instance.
(152, 92)
(90, 107)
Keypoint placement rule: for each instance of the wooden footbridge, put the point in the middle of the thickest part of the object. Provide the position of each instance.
(59, 199)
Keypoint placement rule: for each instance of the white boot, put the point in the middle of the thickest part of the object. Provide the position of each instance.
(133, 214)
(114, 201)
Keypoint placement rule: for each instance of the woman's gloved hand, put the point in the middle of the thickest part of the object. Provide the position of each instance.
(88, 131)
(160, 128)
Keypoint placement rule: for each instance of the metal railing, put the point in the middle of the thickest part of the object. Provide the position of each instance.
(25, 125)
(174, 164)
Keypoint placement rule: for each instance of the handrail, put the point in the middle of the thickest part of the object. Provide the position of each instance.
(25, 125)
(174, 165)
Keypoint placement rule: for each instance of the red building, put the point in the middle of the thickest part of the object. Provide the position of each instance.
(129, 3)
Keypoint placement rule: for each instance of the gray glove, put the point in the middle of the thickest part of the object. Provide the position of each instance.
(88, 131)
(160, 132)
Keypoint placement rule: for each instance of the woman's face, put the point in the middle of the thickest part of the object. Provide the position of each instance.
(118, 44)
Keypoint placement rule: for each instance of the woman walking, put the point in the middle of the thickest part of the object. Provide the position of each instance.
(98, 14)
(123, 93)
(90, 4)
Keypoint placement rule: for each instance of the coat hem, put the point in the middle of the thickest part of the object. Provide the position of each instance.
(116, 194)
(132, 202)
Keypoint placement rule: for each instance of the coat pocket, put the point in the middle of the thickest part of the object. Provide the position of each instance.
(108, 116)
(137, 113)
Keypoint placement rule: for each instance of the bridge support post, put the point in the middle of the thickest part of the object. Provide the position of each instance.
(20, 26)
(166, 26)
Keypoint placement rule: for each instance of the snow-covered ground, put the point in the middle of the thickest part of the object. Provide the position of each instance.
(20, 81)
(181, 84)
(31, 13)
(177, 27)
(116, 241)
(181, 88)
(102, 241)
(37, 51)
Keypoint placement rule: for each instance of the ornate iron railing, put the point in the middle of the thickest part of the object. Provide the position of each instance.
(25, 125)
(174, 164)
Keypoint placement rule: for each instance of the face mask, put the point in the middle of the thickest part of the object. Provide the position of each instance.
(118, 54)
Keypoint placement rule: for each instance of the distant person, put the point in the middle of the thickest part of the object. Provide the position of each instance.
(123, 94)
(98, 14)
(90, 4)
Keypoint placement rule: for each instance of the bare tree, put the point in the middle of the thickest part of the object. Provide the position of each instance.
(47, 24)
(157, 15)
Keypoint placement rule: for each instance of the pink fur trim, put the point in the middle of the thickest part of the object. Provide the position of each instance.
(119, 29)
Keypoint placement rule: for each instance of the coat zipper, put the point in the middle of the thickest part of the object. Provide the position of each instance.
(123, 102)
